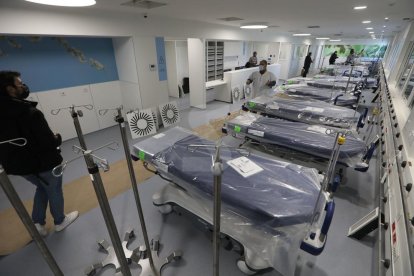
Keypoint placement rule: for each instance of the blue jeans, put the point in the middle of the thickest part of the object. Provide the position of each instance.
(49, 190)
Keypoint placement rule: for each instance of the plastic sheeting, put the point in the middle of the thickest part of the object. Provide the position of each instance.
(304, 109)
(269, 211)
(323, 94)
(332, 85)
(315, 140)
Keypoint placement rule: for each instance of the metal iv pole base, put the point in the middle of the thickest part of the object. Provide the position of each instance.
(111, 258)
(159, 263)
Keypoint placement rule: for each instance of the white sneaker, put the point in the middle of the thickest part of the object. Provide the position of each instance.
(41, 229)
(69, 218)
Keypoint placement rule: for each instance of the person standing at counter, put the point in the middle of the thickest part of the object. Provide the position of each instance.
(253, 60)
(262, 80)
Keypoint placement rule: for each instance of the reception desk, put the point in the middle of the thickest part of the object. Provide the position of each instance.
(238, 78)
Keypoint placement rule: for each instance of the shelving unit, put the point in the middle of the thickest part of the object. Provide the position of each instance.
(214, 60)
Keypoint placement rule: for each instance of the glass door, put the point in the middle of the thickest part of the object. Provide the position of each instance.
(406, 73)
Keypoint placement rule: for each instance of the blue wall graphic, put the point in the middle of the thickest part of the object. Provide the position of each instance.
(162, 64)
(58, 62)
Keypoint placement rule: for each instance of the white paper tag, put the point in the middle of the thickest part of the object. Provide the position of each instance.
(273, 106)
(314, 109)
(158, 136)
(244, 166)
(161, 166)
(255, 132)
(317, 129)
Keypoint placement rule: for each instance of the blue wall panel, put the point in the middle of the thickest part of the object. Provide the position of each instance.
(51, 63)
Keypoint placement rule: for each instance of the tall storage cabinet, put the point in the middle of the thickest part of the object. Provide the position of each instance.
(214, 60)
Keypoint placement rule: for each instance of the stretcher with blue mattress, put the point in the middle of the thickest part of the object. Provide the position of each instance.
(328, 95)
(305, 109)
(273, 208)
(313, 140)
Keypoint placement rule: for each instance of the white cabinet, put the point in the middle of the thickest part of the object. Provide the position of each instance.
(66, 97)
(106, 95)
(214, 60)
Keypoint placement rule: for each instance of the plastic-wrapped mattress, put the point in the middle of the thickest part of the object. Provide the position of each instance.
(303, 109)
(266, 191)
(323, 94)
(329, 84)
(315, 140)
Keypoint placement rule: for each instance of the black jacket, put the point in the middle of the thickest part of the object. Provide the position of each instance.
(20, 118)
(308, 61)
(333, 58)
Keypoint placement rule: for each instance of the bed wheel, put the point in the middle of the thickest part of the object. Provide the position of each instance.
(165, 209)
(241, 264)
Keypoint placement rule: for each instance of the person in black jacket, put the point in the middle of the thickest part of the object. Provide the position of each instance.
(21, 119)
(333, 58)
(306, 66)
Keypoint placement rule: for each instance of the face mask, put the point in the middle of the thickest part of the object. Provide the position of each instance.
(25, 92)
(261, 68)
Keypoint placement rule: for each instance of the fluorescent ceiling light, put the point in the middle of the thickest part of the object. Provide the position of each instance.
(254, 26)
(301, 34)
(371, 32)
(386, 18)
(335, 40)
(369, 28)
(384, 26)
(366, 22)
(322, 38)
(65, 3)
(360, 7)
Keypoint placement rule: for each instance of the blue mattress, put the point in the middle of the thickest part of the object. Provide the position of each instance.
(303, 137)
(281, 194)
(323, 94)
(303, 109)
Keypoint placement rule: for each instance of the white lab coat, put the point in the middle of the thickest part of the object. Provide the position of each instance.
(259, 83)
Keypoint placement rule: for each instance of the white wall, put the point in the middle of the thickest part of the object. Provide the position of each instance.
(127, 73)
(171, 59)
(153, 91)
(196, 54)
(182, 60)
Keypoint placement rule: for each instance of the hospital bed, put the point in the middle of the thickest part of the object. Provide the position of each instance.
(272, 208)
(310, 143)
(307, 110)
(332, 96)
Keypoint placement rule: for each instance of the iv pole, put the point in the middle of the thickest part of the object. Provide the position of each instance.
(93, 170)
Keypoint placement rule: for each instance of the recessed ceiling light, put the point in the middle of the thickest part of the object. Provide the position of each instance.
(254, 26)
(360, 7)
(65, 3)
(384, 26)
(369, 28)
(335, 40)
(366, 22)
(301, 34)
(322, 38)
(371, 32)
(386, 18)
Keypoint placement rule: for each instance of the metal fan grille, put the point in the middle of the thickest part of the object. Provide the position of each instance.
(169, 114)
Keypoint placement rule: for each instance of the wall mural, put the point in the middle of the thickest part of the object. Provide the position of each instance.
(48, 63)
(362, 50)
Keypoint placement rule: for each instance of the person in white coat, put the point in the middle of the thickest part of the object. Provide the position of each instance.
(263, 80)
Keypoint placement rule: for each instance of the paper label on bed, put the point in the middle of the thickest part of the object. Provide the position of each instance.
(161, 166)
(255, 132)
(244, 166)
(158, 136)
(317, 129)
(314, 109)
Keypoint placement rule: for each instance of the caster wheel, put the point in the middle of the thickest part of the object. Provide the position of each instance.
(244, 268)
(165, 209)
